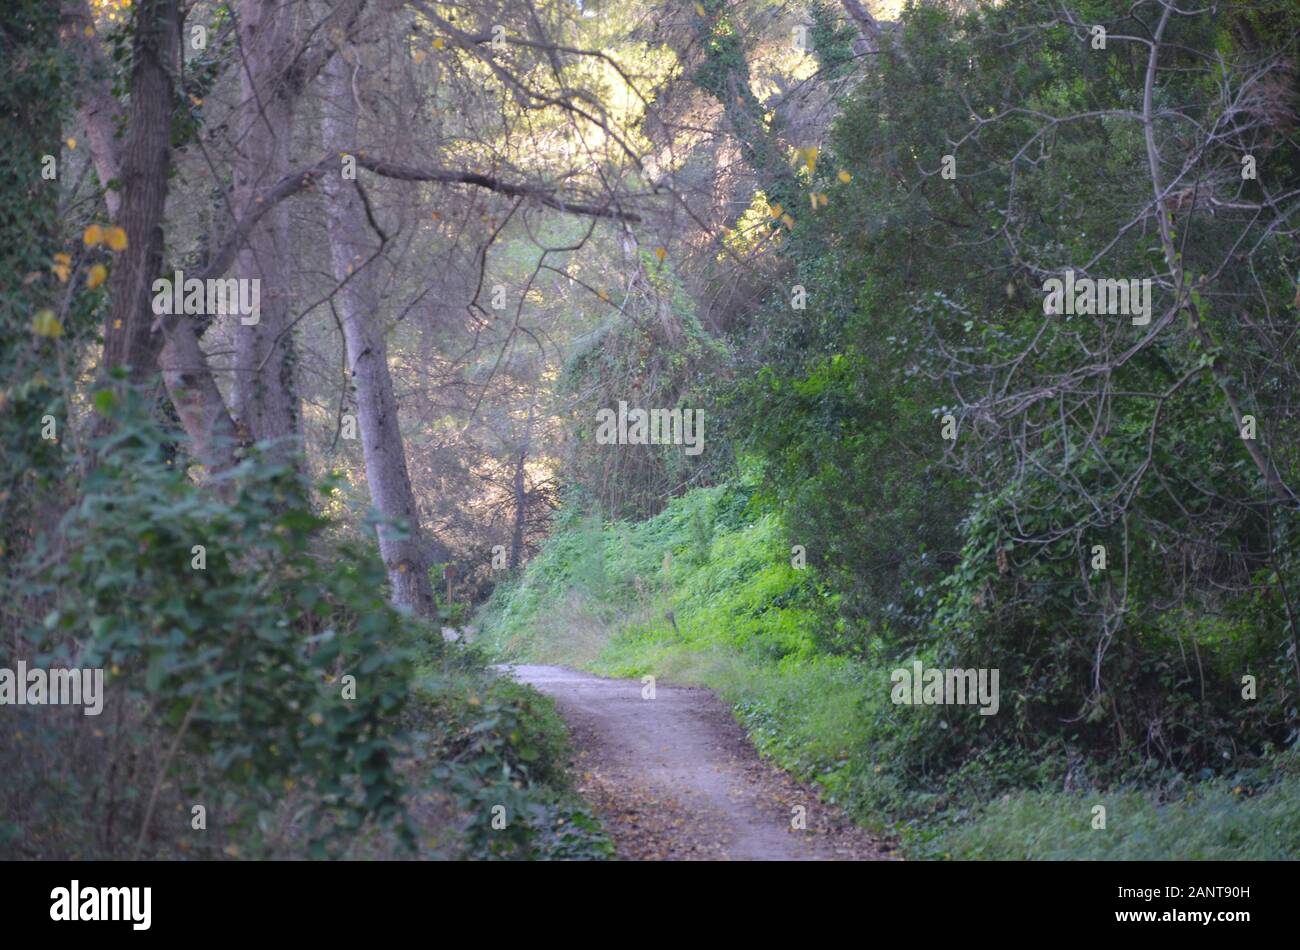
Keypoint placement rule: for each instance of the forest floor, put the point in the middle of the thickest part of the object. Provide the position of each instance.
(675, 778)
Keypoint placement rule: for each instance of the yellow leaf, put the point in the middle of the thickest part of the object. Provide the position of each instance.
(93, 235)
(787, 221)
(63, 259)
(316, 719)
(844, 176)
(61, 271)
(98, 274)
(812, 199)
(775, 210)
(823, 200)
(699, 8)
(46, 324)
(72, 144)
(115, 238)
(117, 324)
(439, 43)
(418, 56)
(196, 100)
(603, 296)
(661, 254)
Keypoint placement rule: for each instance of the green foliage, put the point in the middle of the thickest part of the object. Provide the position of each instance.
(924, 297)
(242, 656)
(500, 749)
(832, 38)
(1231, 819)
(266, 677)
(650, 361)
(746, 625)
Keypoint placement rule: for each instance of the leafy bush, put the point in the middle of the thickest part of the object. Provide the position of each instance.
(264, 676)
(216, 609)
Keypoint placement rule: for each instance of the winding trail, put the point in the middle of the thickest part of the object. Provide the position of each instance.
(675, 778)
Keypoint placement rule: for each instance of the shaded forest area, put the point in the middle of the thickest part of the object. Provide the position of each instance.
(965, 336)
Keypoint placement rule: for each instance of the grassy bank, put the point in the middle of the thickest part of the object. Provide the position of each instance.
(705, 594)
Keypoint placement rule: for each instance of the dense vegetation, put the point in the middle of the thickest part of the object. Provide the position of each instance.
(745, 622)
(827, 229)
(923, 299)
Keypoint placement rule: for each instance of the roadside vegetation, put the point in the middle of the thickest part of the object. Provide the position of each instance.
(746, 623)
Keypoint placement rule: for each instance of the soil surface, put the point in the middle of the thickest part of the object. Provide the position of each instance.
(675, 778)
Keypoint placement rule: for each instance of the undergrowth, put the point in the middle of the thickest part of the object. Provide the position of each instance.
(706, 594)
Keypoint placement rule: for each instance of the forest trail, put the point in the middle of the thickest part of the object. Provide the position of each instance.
(675, 778)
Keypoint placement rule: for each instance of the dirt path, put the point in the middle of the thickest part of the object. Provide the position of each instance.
(674, 777)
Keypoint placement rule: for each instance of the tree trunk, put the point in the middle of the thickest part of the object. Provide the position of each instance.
(198, 402)
(265, 393)
(129, 338)
(98, 110)
(353, 242)
(520, 498)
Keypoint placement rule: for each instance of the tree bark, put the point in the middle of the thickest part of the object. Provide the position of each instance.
(129, 337)
(214, 438)
(353, 243)
(133, 335)
(520, 498)
(265, 393)
(98, 110)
